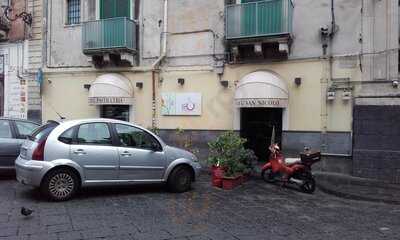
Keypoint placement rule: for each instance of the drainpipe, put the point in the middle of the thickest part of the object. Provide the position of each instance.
(155, 65)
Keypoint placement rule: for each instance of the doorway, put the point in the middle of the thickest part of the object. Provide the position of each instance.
(257, 125)
(1, 95)
(117, 112)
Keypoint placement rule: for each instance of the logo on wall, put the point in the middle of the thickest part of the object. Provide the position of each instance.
(181, 104)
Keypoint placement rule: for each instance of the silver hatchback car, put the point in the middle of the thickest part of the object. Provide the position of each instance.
(62, 157)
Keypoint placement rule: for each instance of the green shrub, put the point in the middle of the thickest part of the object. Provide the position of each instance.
(228, 152)
(185, 141)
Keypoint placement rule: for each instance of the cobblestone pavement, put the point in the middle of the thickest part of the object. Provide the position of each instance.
(253, 211)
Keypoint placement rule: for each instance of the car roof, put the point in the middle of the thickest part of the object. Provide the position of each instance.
(70, 123)
(18, 119)
(88, 120)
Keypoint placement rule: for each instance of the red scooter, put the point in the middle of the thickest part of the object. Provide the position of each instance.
(297, 172)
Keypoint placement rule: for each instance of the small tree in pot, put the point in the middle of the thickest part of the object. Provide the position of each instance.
(227, 153)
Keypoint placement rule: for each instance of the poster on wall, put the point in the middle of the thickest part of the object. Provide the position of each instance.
(188, 104)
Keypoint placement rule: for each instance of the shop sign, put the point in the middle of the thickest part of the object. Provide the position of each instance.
(181, 104)
(261, 102)
(110, 101)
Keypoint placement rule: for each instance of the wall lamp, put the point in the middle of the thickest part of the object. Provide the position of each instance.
(181, 81)
(139, 85)
(224, 83)
(297, 81)
(86, 86)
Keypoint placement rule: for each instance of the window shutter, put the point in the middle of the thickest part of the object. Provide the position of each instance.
(123, 8)
(107, 9)
(115, 8)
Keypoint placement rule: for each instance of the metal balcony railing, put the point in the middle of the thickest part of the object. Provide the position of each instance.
(258, 19)
(109, 34)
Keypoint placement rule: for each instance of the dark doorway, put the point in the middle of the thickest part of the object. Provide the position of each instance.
(1, 95)
(118, 112)
(256, 127)
(2, 91)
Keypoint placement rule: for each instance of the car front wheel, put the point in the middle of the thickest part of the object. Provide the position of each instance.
(180, 180)
(60, 185)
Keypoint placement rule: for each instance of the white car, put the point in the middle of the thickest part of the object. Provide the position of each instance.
(60, 158)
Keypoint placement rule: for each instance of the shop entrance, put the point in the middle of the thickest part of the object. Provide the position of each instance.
(257, 125)
(118, 112)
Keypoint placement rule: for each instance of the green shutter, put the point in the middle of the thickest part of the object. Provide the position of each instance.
(247, 1)
(262, 18)
(115, 8)
(123, 8)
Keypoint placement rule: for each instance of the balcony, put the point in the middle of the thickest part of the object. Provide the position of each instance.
(112, 38)
(259, 19)
(259, 25)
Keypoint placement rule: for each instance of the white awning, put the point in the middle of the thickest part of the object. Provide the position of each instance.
(261, 89)
(111, 89)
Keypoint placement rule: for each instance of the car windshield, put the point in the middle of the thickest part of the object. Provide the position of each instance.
(43, 131)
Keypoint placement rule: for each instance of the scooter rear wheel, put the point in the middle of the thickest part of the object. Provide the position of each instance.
(309, 185)
(268, 176)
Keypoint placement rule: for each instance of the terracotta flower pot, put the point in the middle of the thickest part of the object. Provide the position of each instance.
(231, 183)
(217, 175)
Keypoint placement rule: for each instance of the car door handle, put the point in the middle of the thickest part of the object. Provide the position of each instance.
(126, 154)
(80, 152)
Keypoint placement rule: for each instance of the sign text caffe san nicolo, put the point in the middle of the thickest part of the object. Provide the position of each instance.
(261, 102)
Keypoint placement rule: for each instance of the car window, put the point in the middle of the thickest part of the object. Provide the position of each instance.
(5, 129)
(134, 137)
(42, 132)
(94, 133)
(25, 128)
(67, 136)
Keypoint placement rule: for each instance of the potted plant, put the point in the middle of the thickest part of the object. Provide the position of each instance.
(227, 154)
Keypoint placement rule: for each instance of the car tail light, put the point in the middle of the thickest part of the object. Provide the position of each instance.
(38, 153)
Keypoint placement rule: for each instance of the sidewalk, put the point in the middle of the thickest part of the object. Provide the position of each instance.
(346, 186)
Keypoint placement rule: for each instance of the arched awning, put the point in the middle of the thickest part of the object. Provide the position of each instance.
(261, 89)
(111, 89)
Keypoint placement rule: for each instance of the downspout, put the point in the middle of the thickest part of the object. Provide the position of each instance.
(328, 69)
(156, 64)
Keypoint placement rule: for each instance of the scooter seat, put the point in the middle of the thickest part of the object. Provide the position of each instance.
(290, 161)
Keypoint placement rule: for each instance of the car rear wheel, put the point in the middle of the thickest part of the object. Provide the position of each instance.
(180, 180)
(60, 185)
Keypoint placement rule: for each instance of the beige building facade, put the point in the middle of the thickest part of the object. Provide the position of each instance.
(292, 68)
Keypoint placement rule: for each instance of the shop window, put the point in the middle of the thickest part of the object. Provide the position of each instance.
(73, 12)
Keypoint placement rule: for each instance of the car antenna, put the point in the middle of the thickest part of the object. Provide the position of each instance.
(59, 115)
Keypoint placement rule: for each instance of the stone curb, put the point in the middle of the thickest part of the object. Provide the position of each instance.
(333, 183)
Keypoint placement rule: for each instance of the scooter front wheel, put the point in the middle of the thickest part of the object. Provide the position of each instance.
(308, 185)
(268, 176)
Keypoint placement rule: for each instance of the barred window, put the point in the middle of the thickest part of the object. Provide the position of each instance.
(74, 11)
